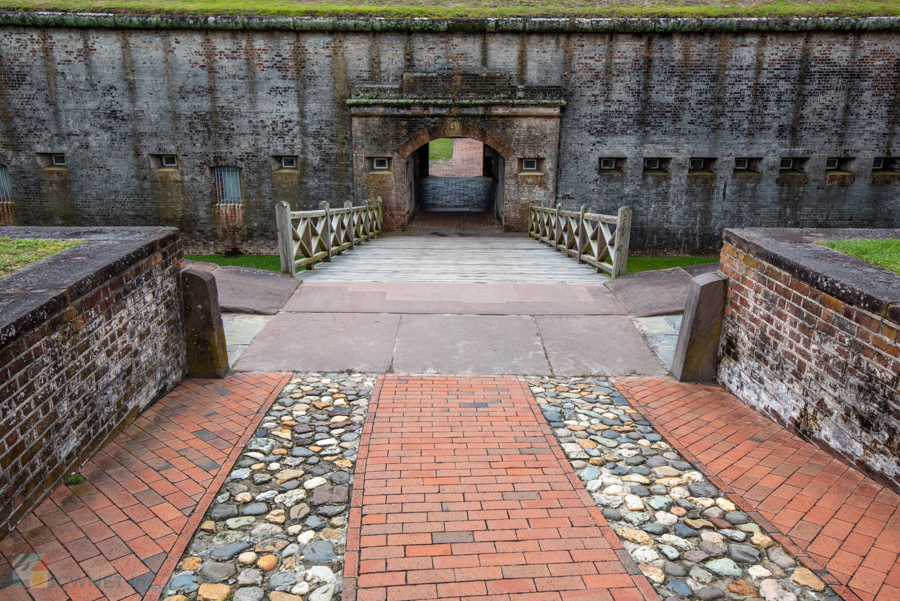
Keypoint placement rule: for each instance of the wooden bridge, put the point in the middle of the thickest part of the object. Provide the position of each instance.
(337, 245)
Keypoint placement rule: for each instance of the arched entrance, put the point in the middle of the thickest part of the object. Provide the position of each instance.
(392, 124)
(455, 183)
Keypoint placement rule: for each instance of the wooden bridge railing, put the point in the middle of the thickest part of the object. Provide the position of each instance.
(585, 236)
(321, 234)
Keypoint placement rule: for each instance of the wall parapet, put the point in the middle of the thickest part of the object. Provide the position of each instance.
(811, 338)
(88, 339)
(448, 25)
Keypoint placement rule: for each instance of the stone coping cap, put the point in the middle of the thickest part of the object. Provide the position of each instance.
(447, 25)
(31, 296)
(846, 278)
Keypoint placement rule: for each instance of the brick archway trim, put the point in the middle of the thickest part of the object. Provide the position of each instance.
(456, 129)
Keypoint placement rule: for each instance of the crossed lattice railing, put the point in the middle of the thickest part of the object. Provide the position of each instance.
(588, 237)
(321, 234)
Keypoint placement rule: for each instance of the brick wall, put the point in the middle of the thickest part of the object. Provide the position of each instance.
(810, 338)
(88, 339)
(114, 100)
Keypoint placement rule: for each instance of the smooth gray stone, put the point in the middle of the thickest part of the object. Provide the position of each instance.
(736, 518)
(656, 462)
(681, 466)
(696, 352)
(612, 515)
(640, 491)
(780, 558)
(701, 575)
(223, 512)
(674, 569)
(703, 490)
(215, 571)
(680, 588)
(724, 567)
(660, 502)
(590, 473)
(261, 478)
(184, 583)
(684, 531)
(250, 593)
(318, 553)
(340, 477)
(743, 554)
(671, 552)
(282, 581)
(228, 551)
(255, 509)
(708, 594)
(301, 452)
(330, 511)
(657, 529)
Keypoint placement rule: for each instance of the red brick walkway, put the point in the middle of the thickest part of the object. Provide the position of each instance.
(119, 534)
(468, 159)
(461, 492)
(830, 516)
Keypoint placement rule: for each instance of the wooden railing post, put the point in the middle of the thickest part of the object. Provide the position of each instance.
(285, 237)
(327, 233)
(623, 236)
(557, 230)
(581, 241)
(349, 206)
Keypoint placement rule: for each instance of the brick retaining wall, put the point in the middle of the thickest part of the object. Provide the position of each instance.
(810, 338)
(88, 339)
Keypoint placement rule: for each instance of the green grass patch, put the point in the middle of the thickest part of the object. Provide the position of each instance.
(267, 262)
(636, 264)
(441, 150)
(18, 253)
(884, 252)
(478, 8)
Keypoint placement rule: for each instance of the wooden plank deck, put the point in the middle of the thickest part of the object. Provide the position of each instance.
(476, 260)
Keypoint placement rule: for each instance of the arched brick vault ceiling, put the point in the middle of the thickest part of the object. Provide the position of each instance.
(453, 128)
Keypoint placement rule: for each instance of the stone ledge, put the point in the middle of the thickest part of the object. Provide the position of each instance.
(846, 278)
(448, 25)
(33, 295)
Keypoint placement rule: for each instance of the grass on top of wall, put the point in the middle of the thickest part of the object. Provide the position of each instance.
(479, 8)
(18, 253)
(884, 252)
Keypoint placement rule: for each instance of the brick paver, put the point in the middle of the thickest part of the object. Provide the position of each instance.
(119, 534)
(460, 220)
(830, 516)
(462, 492)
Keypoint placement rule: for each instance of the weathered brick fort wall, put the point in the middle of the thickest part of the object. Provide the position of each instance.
(88, 338)
(115, 94)
(810, 338)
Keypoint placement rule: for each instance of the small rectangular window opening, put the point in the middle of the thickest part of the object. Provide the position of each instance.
(651, 164)
(169, 160)
(228, 185)
(529, 164)
(607, 163)
(741, 164)
(5, 187)
(878, 164)
(831, 164)
(288, 162)
(380, 164)
(787, 164)
(58, 160)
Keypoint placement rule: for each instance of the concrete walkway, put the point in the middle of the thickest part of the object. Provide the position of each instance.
(463, 492)
(452, 328)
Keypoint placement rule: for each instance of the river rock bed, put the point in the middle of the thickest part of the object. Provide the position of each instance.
(690, 541)
(277, 529)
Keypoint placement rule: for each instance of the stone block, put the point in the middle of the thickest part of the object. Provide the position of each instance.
(207, 356)
(701, 325)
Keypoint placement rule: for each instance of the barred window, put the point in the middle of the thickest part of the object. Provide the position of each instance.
(228, 185)
(5, 188)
